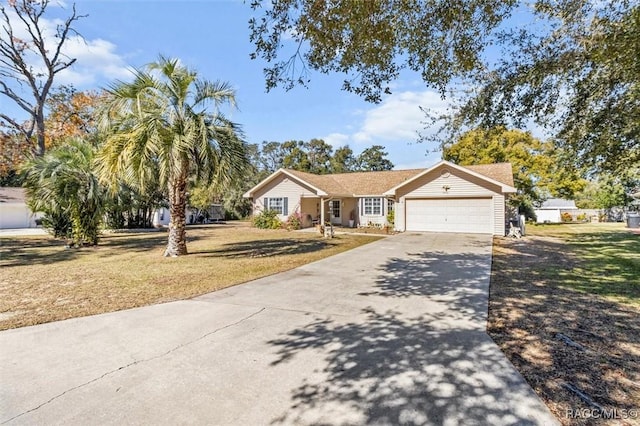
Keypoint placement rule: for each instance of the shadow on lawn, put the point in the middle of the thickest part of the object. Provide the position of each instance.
(45, 251)
(267, 248)
(136, 242)
(535, 298)
(33, 251)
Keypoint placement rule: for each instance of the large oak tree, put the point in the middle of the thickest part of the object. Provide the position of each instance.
(572, 66)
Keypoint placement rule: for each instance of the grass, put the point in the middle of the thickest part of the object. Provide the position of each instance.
(606, 259)
(42, 281)
(571, 281)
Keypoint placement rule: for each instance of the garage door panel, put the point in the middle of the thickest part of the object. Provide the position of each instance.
(470, 215)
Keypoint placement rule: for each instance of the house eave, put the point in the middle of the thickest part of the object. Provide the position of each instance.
(272, 176)
(506, 189)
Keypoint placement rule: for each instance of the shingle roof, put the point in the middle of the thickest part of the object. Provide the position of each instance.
(11, 195)
(502, 172)
(357, 183)
(558, 203)
(376, 183)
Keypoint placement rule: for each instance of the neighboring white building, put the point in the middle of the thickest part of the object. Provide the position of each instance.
(14, 213)
(161, 216)
(551, 210)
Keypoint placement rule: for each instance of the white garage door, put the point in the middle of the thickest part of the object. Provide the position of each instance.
(472, 215)
(14, 216)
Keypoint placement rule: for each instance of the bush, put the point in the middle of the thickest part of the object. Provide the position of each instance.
(566, 217)
(294, 222)
(58, 223)
(582, 217)
(267, 219)
(63, 185)
(391, 218)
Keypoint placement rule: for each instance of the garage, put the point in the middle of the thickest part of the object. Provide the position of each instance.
(468, 215)
(14, 212)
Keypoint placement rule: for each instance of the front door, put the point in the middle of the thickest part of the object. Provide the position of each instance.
(335, 212)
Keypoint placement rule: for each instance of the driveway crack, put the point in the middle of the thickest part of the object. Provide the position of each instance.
(131, 364)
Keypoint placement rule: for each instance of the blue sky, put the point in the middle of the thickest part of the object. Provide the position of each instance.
(213, 37)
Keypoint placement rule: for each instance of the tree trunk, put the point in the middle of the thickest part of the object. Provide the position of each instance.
(177, 244)
(40, 132)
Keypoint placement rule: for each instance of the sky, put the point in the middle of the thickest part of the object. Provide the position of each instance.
(213, 38)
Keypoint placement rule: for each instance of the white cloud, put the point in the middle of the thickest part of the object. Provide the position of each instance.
(97, 60)
(397, 124)
(399, 117)
(336, 139)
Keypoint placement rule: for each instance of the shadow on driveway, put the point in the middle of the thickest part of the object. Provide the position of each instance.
(388, 370)
(426, 361)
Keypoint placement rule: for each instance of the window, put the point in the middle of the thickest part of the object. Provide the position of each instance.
(372, 206)
(335, 208)
(390, 204)
(278, 204)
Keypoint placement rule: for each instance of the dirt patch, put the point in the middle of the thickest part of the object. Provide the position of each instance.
(578, 351)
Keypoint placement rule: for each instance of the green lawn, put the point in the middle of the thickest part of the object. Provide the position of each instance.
(605, 258)
(43, 281)
(571, 281)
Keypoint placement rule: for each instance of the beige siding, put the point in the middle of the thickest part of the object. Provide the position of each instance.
(498, 215)
(457, 184)
(310, 209)
(399, 223)
(350, 205)
(282, 186)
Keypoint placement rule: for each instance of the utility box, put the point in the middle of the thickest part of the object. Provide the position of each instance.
(633, 220)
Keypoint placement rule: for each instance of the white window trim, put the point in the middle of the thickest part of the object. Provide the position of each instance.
(280, 208)
(372, 206)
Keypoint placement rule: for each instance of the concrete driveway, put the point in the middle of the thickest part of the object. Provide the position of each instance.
(389, 333)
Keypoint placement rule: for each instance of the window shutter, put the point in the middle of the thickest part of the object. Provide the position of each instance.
(265, 204)
(382, 206)
(285, 206)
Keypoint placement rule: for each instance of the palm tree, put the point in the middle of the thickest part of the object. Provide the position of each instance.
(62, 184)
(163, 122)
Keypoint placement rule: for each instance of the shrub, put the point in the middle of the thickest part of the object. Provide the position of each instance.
(58, 223)
(391, 218)
(267, 219)
(582, 217)
(294, 222)
(62, 185)
(566, 217)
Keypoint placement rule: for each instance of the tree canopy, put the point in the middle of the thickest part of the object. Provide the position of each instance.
(579, 77)
(538, 172)
(573, 66)
(374, 159)
(317, 156)
(371, 42)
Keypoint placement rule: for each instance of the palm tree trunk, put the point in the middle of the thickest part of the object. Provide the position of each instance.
(177, 244)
